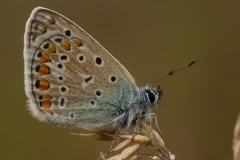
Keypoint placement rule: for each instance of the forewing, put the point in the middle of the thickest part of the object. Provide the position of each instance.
(70, 79)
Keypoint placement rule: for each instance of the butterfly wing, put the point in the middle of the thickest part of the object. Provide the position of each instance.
(70, 79)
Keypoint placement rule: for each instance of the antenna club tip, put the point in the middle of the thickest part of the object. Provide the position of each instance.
(192, 62)
(171, 72)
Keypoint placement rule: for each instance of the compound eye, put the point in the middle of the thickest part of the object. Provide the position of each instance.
(151, 96)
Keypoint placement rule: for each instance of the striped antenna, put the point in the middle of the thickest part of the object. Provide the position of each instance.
(174, 71)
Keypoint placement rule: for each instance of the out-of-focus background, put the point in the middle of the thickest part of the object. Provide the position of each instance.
(149, 38)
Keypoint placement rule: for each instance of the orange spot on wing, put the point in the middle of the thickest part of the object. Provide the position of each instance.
(65, 45)
(50, 20)
(46, 104)
(51, 49)
(47, 97)
(77, 42)
(43, 70)
(43, 85)
(43, 29)
(44, 58)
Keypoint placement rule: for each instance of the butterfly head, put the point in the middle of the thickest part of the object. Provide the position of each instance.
(152, 96)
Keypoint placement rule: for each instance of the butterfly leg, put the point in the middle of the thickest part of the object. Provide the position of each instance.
(115, 137)
(138, 124)
(153, 116)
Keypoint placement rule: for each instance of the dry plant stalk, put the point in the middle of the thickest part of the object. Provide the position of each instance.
(146, 144)
(146, 140)
(236, 140)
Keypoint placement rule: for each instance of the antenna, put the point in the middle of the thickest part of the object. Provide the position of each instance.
(189, 64)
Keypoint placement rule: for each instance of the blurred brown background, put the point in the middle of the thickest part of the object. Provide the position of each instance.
(149, 38)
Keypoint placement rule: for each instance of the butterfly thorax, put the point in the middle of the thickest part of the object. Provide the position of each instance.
(141, 110)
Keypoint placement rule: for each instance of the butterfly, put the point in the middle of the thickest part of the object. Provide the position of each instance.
(72, 81)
